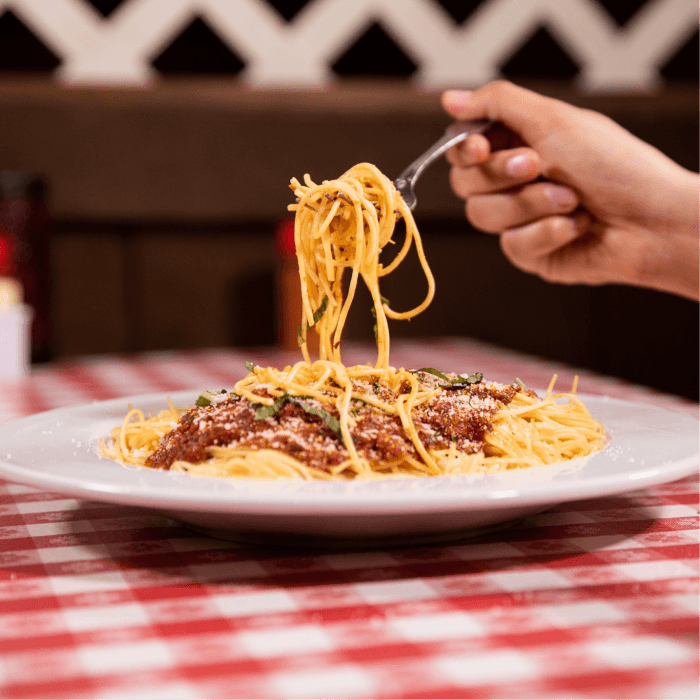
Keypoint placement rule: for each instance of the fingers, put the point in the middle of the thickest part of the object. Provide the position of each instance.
(502, 211)
(478, 147)
(527, 113)
(530, 247)
(473, 150)
(501, 171)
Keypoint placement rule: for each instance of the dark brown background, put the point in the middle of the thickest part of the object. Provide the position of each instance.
(164, 202)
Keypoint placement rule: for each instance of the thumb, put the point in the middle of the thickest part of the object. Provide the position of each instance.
(523, 111)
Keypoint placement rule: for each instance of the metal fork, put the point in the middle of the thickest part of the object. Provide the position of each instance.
(455, 132)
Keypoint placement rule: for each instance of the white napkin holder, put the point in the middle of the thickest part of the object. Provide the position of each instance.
(15, 331)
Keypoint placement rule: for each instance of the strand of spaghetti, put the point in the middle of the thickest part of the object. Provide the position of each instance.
(366, 371)
(428, 275)
(374, 401)
(344, 410)
(229, 461)
(371, 204)
(125, 423)
(334, 352)
(403, 251)
(404, 411)
(296, 369)
(527, 409)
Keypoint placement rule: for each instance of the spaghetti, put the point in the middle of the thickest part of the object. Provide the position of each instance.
(322, 420)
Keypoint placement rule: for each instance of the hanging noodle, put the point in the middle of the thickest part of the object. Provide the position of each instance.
(319, 419)
(345, 224)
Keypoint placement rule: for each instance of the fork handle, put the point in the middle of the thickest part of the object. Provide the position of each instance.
(455, 132)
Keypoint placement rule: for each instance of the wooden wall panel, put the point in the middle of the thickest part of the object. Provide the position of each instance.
(90, 293)
(203, 290)
(216, 151)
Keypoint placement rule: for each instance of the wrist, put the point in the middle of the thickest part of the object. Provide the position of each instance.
(675, 266)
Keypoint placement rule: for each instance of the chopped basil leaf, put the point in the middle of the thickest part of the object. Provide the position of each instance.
(382, 300)
(262, 411)
(332, 422)
(459, 383)
(300, 337)
(321, 310)
(376, 331)
(249, 366)
(208, 397)
(433, 371)
(520, 383)
(471, 379)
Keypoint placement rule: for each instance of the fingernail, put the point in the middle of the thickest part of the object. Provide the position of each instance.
(457, 95)
(454, 100)
(520, 166)
(561, 197)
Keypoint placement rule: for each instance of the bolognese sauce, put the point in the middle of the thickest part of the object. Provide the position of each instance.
(458, 415)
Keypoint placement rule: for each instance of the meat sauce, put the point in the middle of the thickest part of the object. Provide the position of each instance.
(459, 416)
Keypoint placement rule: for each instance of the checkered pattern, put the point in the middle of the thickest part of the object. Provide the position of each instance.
(592, 599)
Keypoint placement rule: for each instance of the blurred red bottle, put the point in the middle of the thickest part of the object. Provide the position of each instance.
(289, 292)
(25, 250)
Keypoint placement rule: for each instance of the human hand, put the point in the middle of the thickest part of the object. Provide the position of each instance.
(574, 196)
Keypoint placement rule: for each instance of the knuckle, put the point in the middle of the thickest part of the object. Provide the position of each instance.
(458, 182)
(501, 86)
(457, 155)
(529, 203)
(558, 225)
(480, 216)
(517, 253)
(552, 199)
(522, 206)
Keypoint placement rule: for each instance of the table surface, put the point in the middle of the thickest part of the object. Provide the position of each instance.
(595, 598)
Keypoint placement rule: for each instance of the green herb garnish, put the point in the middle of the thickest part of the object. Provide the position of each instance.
(262, 411)
(331, 421)
(207, 397)
(250, 366)
(318, 315)
(459, 383)
(383, 300)
(471, 379)
(433, 371)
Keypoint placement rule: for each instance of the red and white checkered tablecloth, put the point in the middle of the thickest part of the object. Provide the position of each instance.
(591, 599)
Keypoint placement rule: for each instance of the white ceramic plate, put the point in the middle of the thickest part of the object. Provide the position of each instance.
(56, 451)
